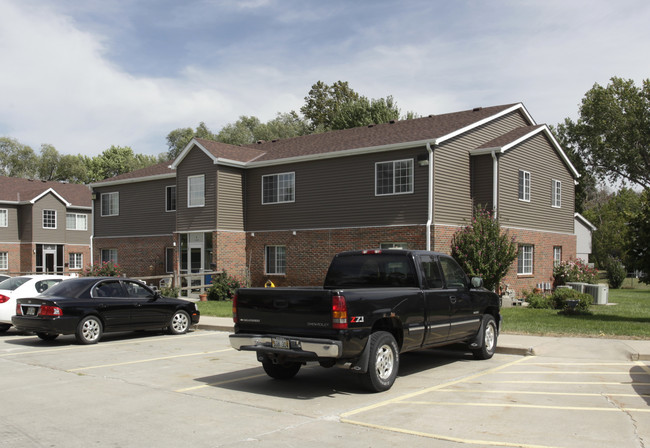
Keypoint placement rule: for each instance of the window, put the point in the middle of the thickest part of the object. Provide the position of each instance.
(49, 219)
(394, 177)
(556, 194)
(4, 217)
(4, 261)
(454, 275)
(524, 186)
(278, 188)
(275, 260)
(170, 198)
(525, 260)
(109, 256)
(393, 246)
(196, 191)
(74, 221)
(110, 204)
(557, 255)
(76, 261)
(169, 259)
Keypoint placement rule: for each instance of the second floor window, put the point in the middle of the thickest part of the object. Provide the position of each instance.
(4, 217)
(196, 191)
(110, 204)
(524, 186)
(49, 219)
(394, 177)
(556, 194)
(170, 201)
(277, 188)
(76, 221)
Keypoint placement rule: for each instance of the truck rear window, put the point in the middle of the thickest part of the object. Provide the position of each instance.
(371, 271)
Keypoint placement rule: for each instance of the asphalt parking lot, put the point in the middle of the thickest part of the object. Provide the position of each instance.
(149, 389)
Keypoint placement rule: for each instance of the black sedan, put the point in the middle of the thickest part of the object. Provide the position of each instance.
(89, 306)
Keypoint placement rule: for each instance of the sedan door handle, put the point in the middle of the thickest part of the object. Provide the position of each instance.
(452, 299)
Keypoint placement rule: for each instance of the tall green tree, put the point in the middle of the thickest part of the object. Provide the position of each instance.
(639, 241)
(323, 103)
(16, 159)
(612, 133)
(362, 112)
(118, 160)
(178, 139)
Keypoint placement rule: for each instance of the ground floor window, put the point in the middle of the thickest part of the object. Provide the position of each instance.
(169, 259)
(76, 261)
(109, 256)
(557, 255)
(275, 260)
(4, 261)
(394, 246)
(525, 260)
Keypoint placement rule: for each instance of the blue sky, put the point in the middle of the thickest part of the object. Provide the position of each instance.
(85, 75)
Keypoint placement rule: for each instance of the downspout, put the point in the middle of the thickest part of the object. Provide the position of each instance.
(495, 182)
(430, 195)
(92, 227)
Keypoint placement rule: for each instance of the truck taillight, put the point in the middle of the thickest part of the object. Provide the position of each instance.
(234, 309)
(339, 313)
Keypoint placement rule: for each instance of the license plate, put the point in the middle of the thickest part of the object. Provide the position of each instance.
(280, 343)
(31, 311)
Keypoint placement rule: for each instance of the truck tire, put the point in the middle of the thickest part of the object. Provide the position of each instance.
(488, 338)
(383, 363)
(281, 371)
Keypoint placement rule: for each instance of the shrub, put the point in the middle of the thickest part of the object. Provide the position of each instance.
(539, 301)
(483, 250)
(615, 272)
(574, 271)
(169, 291)
(104, 269)
(223, 287)
(570, 301)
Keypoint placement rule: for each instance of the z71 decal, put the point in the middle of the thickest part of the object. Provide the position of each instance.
(356, 319)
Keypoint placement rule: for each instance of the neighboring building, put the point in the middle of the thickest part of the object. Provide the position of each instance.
(583, 231)
(280, 210)
(44, 226)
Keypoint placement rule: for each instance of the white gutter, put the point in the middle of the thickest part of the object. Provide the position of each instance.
(430, 205)
(495, 182)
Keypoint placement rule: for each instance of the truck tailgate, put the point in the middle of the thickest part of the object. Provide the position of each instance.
(290, 311)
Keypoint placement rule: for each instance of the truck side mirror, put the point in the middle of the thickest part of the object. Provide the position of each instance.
(477, 282)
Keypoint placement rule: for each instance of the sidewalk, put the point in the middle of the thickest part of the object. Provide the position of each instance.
(523, 345)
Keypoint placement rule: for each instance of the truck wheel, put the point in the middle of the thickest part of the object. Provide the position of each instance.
(281, 371)
(384, 362)
(488, 337)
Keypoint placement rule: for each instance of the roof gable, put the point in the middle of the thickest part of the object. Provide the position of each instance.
(15, 190)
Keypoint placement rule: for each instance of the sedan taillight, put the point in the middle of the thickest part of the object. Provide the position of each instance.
(19, 311)
(3, 298)
(48, 310)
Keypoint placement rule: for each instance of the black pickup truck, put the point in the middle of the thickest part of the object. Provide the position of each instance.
(374, 305)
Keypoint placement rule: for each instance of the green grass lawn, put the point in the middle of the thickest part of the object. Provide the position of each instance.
(626, 316)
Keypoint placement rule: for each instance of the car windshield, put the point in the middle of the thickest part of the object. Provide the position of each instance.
(68, 288)
(11, 284)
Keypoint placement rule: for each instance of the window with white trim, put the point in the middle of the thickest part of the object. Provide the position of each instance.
(110, 204)
(557, 255)
(278, 188)
(556, 194)
(109, 256)
(4, 217)
(4, 261)
(525, 259)
(49, 219)
(524, 186)
(76, 221)
(394, 177)
(170, 198)
(275, 260)
(76, 261)
(196, 191)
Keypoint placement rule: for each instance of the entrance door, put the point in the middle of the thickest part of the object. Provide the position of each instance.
(49, 259)
(195, 247)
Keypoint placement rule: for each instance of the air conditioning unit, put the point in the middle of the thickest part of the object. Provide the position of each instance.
(580, 287)
(599, 292)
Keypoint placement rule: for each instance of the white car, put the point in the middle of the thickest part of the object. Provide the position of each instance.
(21, 287)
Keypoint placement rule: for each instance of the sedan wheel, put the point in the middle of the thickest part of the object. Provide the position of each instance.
(180, 322)
(89, 330)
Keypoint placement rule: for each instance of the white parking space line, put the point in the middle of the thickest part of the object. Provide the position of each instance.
(524, 406)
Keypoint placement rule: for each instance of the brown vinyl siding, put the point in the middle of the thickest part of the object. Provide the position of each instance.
(141, 210)
(48, 202)
(80, 237)
(230, 198)
(196, 163)
(482, 185)
(334, 193)
(537, 156)
(11, 233)
(453, 202)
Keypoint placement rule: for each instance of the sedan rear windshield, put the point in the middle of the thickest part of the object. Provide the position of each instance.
(68, 288)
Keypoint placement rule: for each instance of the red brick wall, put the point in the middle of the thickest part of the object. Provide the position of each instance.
(138, 256)
(229, 253)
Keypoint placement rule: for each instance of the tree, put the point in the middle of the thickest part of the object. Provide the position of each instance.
(483, 250)
(612, 133)
(363, 112)
(323, 103)
(16, 159)
(118, 160)
(178, 139)
(639, 238)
